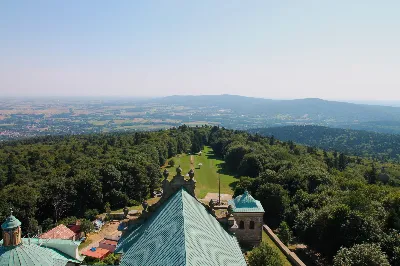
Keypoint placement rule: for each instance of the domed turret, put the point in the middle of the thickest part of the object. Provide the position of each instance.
(11, 231)
(27, 252)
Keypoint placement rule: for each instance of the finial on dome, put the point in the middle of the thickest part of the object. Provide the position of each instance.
(165, 173)
(179, 170)
(191, 173)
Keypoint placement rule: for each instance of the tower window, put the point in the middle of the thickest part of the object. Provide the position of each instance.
(241, 225)
(251, 224)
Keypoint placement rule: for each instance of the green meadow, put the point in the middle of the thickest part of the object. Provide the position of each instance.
(207, 174)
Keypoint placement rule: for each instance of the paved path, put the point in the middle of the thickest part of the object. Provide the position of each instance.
(224, 197)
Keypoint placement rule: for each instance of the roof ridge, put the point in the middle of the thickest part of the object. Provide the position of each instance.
(184, 227)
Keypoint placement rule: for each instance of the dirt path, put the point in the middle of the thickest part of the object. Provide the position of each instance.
(109, 229)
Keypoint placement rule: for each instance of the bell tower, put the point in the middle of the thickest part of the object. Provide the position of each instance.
(11, 231)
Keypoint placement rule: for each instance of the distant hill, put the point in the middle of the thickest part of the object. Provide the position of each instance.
(310, 109)
(355, 142)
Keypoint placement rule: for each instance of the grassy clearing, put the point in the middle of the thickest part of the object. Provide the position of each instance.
(207, 175)
(266, 239)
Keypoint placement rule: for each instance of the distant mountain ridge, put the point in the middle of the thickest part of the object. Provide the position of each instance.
(354, 142)
(313, 108)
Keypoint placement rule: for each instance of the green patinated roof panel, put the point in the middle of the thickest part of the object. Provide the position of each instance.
(10, 223)
(180, 232)
(32, 255)
(246, 203)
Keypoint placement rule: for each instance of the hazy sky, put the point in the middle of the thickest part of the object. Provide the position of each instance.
(342, 49)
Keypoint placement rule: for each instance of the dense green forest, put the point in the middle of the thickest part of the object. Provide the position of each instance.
(379, 146)
(56, 177)
(329, 200)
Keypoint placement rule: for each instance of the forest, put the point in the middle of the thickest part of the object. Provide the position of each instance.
(331, 201)
(374, 145)
(55, 177)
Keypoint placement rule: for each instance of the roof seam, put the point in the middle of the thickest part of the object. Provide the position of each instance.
(184, 227)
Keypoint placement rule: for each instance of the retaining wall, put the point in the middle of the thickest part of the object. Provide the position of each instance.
(292, 257)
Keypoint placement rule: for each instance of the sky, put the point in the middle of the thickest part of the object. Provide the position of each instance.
(341, 50)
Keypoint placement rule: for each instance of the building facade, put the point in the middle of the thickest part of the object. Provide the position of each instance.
(247, 222)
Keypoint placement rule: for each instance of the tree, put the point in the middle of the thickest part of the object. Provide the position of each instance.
(91, 214)
(171, 163)
(112, 259)
(285, 234)
(251, 165)
(275, 200)
(342, 162)
(360, 255)
(390, 244)
(371, 175)
(107, 208)
(57, 191)
(47, 224)
(235, 155)
(68, 220)
(272, 140)
(86, 226)
(264, 255)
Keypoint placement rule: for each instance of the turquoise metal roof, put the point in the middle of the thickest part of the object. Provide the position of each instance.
(10, 223)
(180, 232)
(33, 255)
(246, 203)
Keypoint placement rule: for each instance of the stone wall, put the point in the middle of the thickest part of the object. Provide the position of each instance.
(245, 235)
(292, 257)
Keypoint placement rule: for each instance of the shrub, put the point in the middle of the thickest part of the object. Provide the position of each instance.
(264, 255)
(171, 163)
(285, 233)
(361, 254)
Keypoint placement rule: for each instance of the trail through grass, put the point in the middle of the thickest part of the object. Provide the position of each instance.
(206, 175)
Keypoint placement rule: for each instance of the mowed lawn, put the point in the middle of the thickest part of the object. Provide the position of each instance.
(207, 175)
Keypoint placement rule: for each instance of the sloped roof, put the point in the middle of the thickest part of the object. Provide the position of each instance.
(109, 242)
(33, 255)
(97, 253)
(245, 203)
(59, 232)
(180, 232)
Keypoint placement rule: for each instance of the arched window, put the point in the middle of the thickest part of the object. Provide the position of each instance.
(241, 225)
(251, 224)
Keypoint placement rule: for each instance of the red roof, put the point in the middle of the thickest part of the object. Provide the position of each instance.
(59, 232)
(99, 253)
(109, 242)
(75, 228)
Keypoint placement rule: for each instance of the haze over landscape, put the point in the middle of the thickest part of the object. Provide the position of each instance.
(219, 133)
(271, 49)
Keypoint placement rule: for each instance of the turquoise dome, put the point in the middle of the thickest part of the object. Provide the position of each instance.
(245, 201)
(10, 223)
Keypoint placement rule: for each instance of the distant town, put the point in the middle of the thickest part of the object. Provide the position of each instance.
(22, 118)
(39, 117)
